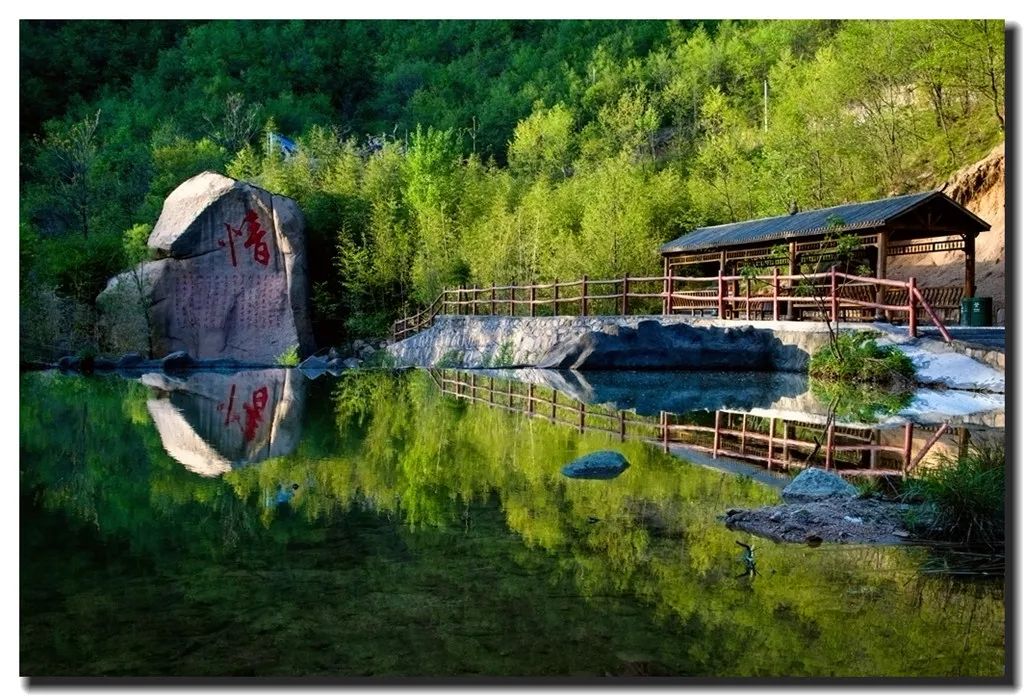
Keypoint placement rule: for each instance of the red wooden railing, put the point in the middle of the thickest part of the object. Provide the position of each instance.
(833, 295)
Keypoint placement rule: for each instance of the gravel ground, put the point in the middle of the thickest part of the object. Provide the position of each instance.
(850, 521)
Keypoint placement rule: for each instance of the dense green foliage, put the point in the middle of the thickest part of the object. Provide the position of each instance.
(433, 153)
(431, 536)
(856, 357)
(967, 495)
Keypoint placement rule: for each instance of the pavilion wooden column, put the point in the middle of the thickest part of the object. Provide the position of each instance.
(794, 268)
(666, 287)
(969, 285)
(721, 285)
(880, 272)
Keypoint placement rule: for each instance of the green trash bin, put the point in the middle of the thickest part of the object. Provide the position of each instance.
(966, 310)
(981, 311)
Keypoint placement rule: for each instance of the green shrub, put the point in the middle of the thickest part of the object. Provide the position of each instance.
(381, 359)
(505, 357)
(289, 358)
(857, 358)
(966, 497)
(452, 358)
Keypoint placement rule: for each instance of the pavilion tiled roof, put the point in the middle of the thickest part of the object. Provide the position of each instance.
(841, 218)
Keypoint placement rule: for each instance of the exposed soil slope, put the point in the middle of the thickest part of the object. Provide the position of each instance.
(981, 188)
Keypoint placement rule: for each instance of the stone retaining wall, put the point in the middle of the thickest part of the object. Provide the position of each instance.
(491, 341)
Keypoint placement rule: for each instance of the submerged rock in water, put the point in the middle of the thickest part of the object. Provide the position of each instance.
(817, 484)
(604, 464)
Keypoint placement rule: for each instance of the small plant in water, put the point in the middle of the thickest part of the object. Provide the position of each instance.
(857, 358)
(289, 358)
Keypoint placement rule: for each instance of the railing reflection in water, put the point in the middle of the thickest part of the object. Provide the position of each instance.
(773, 442)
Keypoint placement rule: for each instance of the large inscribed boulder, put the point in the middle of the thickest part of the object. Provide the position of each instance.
(230, 280)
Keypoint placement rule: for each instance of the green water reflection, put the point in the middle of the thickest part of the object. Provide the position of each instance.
(429, 536)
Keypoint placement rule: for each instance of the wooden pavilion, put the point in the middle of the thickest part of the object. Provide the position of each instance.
(912, 224)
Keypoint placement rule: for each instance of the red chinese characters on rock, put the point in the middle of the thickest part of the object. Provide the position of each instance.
(254, 240)
(253, 412)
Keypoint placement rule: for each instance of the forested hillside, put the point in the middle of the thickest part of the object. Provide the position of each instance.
(434, 153)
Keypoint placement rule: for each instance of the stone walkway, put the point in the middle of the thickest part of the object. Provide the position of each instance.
(992, 337)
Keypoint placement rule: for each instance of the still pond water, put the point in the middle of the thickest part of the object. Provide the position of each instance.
(265, 524)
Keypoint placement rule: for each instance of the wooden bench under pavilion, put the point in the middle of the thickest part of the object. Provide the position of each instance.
(913, 224)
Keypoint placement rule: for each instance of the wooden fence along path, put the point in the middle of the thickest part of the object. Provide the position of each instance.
(833, 295)
(774, 443)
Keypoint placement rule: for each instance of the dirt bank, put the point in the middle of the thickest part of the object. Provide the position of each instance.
(981, 188)
(842, 520)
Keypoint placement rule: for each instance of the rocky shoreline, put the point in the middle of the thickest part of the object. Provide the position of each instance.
(357, 355)
(820, 506)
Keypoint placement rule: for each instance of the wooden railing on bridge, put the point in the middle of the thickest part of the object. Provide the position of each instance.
(833, 295)
(771, 442)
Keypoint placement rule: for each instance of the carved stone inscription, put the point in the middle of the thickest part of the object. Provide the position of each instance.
(231, 282)
(218, 299)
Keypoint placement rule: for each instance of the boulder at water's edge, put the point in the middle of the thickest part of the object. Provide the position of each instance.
(817, 484)
(231, 280)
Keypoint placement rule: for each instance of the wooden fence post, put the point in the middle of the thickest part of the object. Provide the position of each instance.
(830, 444)
(718, 434)
(748, 299)
(493, 297)
(666, 288)
(721, 296)
(835, 295)
(775, 293)
(554, 299)
(512, 301)
(625, 294)
(533, 299)
(583, 298)
(912, 305)
(908, 442)
(461, 293)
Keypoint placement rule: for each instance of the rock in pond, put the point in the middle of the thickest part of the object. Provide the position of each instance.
(104, 364)
(69, 362)
(604, 464)
(130, 360)
(817, 484)
(178, 360)
(314, 362)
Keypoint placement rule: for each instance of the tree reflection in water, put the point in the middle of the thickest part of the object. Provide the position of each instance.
(429, 535)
